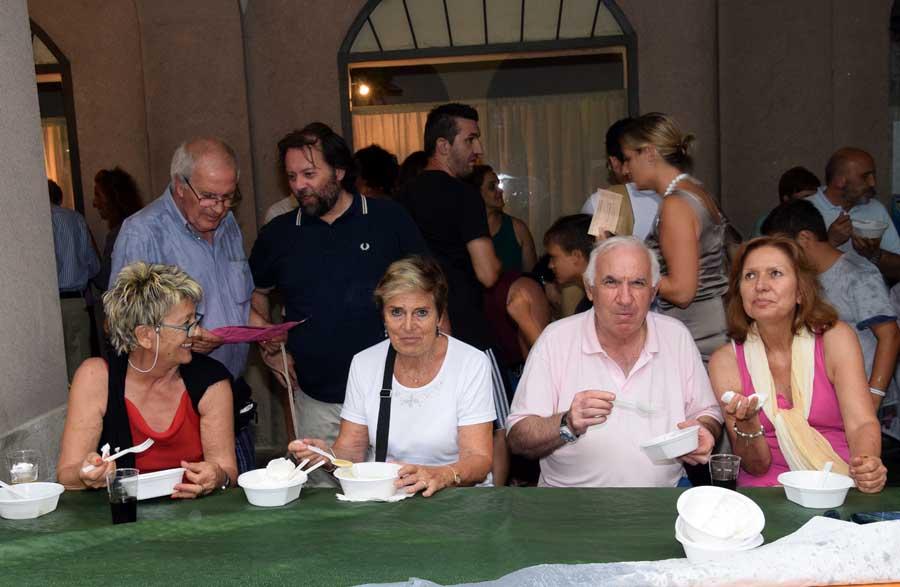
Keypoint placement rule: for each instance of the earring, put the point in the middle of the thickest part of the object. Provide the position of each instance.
(385, 332)
(437, 330)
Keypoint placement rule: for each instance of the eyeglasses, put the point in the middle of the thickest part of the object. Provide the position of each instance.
(186, 328)
(209, 200)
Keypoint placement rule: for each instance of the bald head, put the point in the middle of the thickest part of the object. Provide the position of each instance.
(843, 159)
(199, 151)
(850, 174)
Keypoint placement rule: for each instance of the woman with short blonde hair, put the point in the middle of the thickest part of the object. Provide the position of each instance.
(155, 388)
(440, 410)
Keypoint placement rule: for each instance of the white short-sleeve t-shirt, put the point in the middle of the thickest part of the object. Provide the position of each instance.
(424, 420)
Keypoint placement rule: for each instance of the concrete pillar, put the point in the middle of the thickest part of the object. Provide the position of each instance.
(32, 360)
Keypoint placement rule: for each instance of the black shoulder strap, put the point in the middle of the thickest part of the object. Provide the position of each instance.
(201, 373)
(116, 430)
(384, 408)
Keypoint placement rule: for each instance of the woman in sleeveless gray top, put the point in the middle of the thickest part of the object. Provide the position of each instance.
(689, 233)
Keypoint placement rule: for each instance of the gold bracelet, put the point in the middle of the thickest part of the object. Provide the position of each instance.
(456, 478)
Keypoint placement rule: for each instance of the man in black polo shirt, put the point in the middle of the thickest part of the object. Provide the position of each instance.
(326, 258)
(452, 217)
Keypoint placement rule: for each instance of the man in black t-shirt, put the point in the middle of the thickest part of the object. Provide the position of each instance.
(452, 217)
(326, 258)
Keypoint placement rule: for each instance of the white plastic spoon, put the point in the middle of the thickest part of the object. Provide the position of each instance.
(135, 449)
(826, 470)
(13, 490)
(298, 468)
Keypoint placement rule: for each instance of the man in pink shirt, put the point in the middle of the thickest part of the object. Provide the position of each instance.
(598, 384)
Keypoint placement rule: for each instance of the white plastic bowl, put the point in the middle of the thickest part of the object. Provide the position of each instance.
(804, 488)
(673, 444)
(262, 491)
(42, 499)
(701, 552)
(368, 480)
(715, 514)
(159, 483)
(869, 228)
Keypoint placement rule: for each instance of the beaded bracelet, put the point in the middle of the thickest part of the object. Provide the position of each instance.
(746, 436)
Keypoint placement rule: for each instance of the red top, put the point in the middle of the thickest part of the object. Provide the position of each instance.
(180, 442)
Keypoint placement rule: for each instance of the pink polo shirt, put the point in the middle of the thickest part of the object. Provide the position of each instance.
(668, 381)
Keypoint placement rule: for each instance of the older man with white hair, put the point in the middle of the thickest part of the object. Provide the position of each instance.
(191, 225)
(598, 384)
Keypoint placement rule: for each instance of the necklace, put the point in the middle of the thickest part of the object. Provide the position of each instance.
(674, 182)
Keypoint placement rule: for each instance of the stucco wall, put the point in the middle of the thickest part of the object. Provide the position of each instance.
(32, 359)
(291, 52)
(796, 88)
(103, 44)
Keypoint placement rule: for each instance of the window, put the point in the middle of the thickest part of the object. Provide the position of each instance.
(547, 79)
(54, 81)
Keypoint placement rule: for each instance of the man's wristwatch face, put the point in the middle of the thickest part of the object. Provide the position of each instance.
(564, 432)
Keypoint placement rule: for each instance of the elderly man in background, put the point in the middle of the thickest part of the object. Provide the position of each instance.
(191, 226)
(598, 384)
(76, 264)
(849, 194)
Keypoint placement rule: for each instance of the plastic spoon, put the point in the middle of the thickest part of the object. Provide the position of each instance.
(298, 468)
(13, 490)
(334, 461)
(826, 469)
(135, 449)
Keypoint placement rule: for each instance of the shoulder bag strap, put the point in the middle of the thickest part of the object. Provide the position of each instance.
(384, 407)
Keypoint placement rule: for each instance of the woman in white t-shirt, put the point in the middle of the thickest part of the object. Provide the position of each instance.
(441, 408)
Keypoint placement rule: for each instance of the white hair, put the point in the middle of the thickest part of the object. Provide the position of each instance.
(610, 244)
(186, 155)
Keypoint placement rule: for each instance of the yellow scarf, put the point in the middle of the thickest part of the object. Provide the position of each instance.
(803, 447)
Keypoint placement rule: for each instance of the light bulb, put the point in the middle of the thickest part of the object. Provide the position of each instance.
(364, 89)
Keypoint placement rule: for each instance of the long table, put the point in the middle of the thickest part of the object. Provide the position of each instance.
(458, 535)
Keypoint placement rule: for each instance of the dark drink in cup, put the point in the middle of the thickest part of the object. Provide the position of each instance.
(726, 483)
(724, 469)
(122, 485)
(123, 510)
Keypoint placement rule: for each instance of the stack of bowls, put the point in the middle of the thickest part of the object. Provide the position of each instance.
(714, 523)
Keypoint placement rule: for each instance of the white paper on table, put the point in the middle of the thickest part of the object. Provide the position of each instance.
(606, 216)
(396, 497)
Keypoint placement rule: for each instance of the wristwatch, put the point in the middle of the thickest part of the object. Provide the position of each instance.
(564, 431)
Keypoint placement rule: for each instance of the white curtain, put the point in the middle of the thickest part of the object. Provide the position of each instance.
(550, 148)
(56, 156)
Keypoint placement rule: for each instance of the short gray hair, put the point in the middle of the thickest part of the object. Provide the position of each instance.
(142, 296)
(186, 155)
(610, 244)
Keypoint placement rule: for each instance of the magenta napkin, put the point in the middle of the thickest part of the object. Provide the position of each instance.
(237, 334)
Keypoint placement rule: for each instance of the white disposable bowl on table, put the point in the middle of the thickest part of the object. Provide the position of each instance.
(673, 444)
(368, 480)
(261, 490)
(715, 514)
(701, 552)
(805, 488)
(869, 228)
(159, 483)
(42, 499)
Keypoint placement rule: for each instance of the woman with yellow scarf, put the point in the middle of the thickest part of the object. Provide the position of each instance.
(805, 368)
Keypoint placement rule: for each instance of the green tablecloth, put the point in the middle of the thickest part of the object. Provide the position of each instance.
(457, 535)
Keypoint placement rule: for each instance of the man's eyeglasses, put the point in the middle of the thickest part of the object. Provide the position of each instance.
(186, 328)
(208, 200)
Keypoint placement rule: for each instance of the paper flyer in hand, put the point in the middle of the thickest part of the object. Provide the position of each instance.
(606, 216)
(239, 334)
